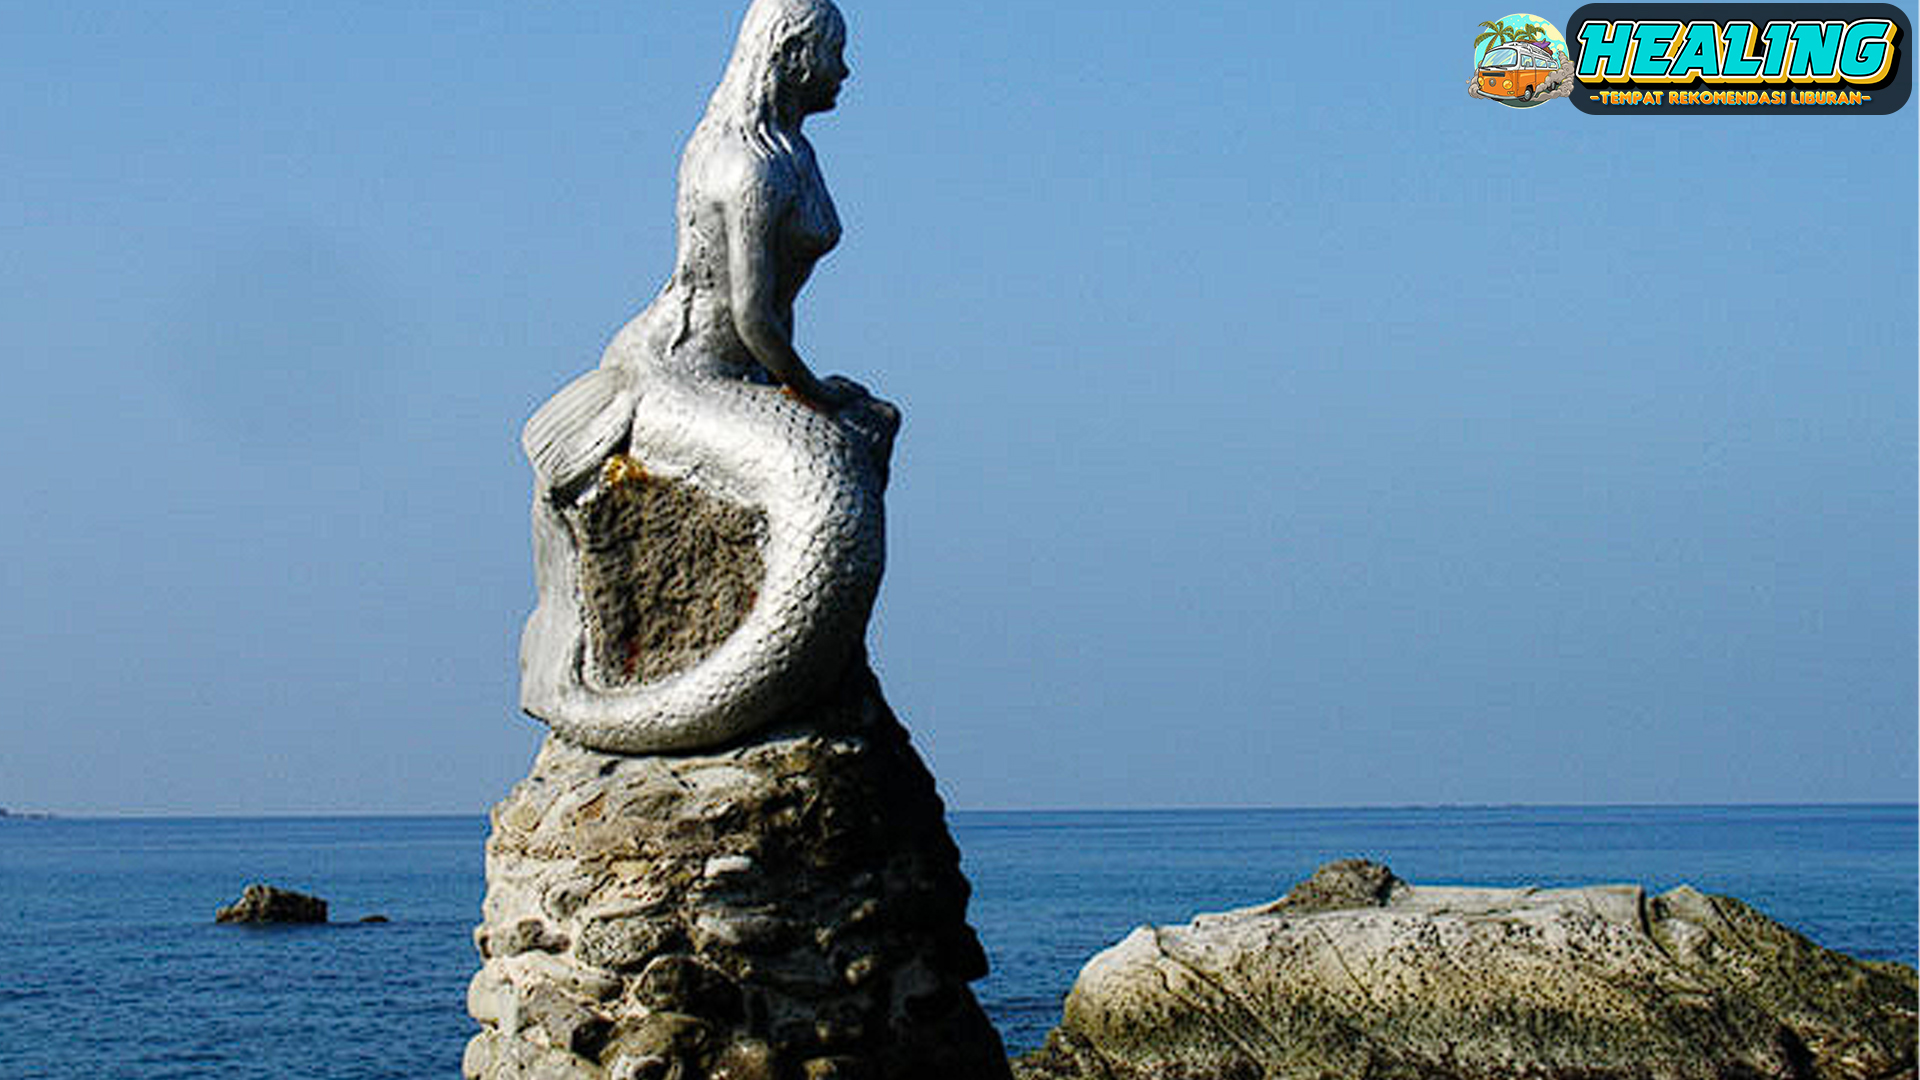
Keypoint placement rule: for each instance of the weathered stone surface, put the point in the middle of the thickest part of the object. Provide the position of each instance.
(1348, 883)
(1355, 973)
(261, 903)
(667, 572)
(790, 907)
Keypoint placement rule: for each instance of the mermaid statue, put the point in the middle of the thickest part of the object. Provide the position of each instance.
(707, 515)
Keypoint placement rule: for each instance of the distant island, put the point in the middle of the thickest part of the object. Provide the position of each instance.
(17, 816)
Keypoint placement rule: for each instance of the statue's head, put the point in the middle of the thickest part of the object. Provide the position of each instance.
(789, 52)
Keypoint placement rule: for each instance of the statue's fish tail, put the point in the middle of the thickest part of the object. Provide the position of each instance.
(823, 553)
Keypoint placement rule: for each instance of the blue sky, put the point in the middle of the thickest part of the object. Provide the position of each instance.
(1283, 426)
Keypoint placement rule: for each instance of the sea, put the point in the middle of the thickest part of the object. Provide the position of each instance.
(111, 965)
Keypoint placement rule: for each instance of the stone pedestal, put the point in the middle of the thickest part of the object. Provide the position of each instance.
(789, 908)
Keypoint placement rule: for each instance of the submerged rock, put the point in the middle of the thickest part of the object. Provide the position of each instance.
(269, 904)
(1356, 973)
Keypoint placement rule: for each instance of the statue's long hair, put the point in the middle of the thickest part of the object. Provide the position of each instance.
(744, 108)
(748, 95)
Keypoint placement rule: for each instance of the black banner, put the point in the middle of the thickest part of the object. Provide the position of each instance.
(1824, 59)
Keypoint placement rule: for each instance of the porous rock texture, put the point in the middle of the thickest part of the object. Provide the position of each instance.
(1357, 974)
(789, 908)
(666, 572)
(262, 903)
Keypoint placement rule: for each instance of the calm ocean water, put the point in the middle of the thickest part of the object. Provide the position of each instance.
(110, 965)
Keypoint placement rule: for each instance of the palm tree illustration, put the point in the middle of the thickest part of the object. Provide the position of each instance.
(1500, 33)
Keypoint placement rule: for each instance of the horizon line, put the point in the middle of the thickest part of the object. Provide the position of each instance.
(10, 814)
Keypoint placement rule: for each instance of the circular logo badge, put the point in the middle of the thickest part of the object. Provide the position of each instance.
(1521, 61)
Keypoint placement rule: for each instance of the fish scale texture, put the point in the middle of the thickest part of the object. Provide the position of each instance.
(818, 480)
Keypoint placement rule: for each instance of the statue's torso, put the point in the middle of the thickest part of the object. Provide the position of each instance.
(690, 328)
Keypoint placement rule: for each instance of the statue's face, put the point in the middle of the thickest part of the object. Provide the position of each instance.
(820, 67)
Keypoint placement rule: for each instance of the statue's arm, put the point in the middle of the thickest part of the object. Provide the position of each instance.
(753, 217)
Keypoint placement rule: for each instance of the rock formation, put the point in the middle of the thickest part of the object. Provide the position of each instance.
(261, 903)
(727, 862)
(789, 907)
(1355, 973)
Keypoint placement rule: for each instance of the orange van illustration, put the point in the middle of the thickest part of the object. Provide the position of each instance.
(1518, 69)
